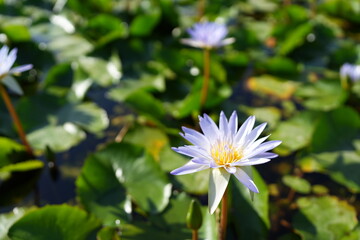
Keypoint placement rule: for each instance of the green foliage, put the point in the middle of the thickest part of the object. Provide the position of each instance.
(55, 222)
(123, 173)
(316, 218)
(112, 84)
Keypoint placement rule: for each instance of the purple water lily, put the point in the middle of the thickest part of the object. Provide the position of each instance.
(207, 35)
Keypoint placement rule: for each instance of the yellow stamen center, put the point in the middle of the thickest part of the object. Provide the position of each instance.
(225, 153)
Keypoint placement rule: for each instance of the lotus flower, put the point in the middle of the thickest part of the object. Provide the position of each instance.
(226, 150)
(7, 60)
(351, 71)
(207, 35)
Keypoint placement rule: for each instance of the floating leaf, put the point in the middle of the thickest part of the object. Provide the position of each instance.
(86, 115)
(67, 136)
(342, 167)
(8, 147)
(336, 130)
(7, 219)
(295, 38)
(273, 86)
(22, 166)
(324, 218)
(171, 223)
(104, 73)
(143, 24)
(17, 33)
(322, 95)
(298, 184)
(122, 170)
(301, 127)
(55, 222)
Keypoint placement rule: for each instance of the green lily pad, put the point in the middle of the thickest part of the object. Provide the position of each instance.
(342, 167)
(301, 127)
(298, 184)
(8, 219)
(17, 33)
(86, 115)
(143, 24)
(46, 116)
(55, 222)
(273, 86)
(324, 218)
(123, 171)
(170, 224)
(336, 131)
(22, 166)
(322, 95)
(104, 73)
(67, 136)
(296, 38)
(8, 147)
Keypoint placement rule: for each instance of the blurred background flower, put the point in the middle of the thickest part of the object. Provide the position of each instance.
(207, 35)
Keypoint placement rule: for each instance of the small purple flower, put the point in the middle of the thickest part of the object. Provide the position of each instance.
(351, 71)
(207, 35)
(225, 150)
(7, 60)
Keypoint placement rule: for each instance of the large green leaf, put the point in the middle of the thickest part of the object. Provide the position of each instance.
(296, 183)
(22, 166)
(273, 86)
(49, 115)
(170, 224)
(55, 222)
(58, 138)
(7, 219)
(86, 115)
(8, 147)
(295, 38)
(104, 73)
(143, 24)
(251, 218)
(322, 95)
(301, 127)
(122, 171)
(336, 130)
(324, 218)
(342, 167)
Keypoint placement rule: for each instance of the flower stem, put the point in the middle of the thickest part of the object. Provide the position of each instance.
(205, 87)
(201, 9)
(195, 235)
(223, 217)
(16, 119)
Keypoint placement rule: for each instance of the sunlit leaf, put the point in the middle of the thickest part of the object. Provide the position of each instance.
(269, 85)
(55, 222)
(23, 166)
(324, 218)
(301, 127)
(67, 136)
(298, 184)
(322, 95)
(342, 167)
(7, 219)
(122, 171)
(17, 33)
(336, 130)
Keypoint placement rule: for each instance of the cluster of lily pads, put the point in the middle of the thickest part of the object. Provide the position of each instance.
(106, 87)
